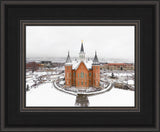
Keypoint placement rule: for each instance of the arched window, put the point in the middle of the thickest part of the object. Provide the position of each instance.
(82, 82)
(96, 75)
(82, 74)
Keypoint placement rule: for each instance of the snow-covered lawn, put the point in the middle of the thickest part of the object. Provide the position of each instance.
(46, 95)
(114, 98)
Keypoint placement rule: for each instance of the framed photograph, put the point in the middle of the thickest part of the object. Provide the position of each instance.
(84, 80)
(80, 65)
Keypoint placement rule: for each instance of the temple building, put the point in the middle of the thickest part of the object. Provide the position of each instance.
(82, 73)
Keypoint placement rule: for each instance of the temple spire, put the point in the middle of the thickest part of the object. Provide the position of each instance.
(95, 60)
(82, 54)
(68, 60)
(82, 49)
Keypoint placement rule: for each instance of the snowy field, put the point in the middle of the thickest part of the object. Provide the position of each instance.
(41, 91)
(48, 96)
(114, 98)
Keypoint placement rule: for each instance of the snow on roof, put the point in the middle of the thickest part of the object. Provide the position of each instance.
(67, 64)
(88, 64)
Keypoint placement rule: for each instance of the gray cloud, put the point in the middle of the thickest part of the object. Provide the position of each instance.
(55, 41)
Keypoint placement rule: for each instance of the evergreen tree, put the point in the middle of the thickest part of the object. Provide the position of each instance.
(27, 88)
(112, 74)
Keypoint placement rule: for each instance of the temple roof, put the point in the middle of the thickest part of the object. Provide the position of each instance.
(88, 64)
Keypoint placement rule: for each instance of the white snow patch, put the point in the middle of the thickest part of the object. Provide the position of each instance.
(46, 95)
(131, 82)
(113, 98)
(88, 64)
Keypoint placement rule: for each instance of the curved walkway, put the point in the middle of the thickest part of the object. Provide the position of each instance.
(61, 89)
(108, 88)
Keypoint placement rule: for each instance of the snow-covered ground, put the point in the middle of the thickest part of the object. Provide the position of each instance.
(42, 92)
(46, 95)
(114, 98)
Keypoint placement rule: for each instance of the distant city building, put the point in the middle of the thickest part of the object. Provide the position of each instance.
(57, 64)
(46, 63)
(32, 66)
(119, 66)
(82, 73)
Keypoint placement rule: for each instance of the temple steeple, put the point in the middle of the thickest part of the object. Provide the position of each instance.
(68, 60)
(82, 49)
(95, 60)
(82, 53)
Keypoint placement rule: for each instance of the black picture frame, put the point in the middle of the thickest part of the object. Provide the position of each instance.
(145, 119)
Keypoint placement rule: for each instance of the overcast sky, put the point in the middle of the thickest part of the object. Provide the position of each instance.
(56, 41)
